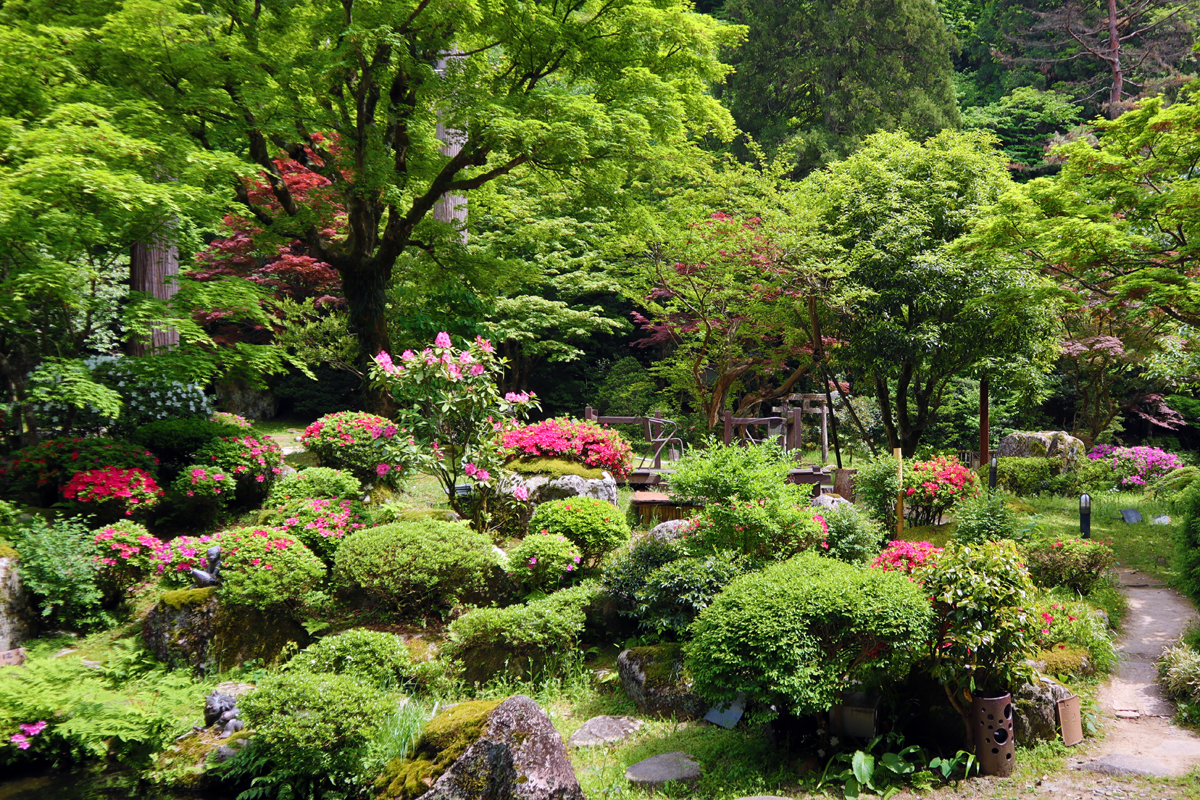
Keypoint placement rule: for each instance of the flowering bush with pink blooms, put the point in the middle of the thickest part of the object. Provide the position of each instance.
(250, 462)
(112, 492)
(370, 447)
(764, 529)
(39, 472)
(226, 418)
(906, 557)
(931, 488)
(319, 522)
(448, 398)
(543, 562)
(576, 440)
(204, 491)
(174, 562)
(263, 567)
(24, 739)
(126, 553)
(1136, 466)
(1077, 564)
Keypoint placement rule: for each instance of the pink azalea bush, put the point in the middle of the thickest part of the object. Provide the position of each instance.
(1136, 466)
(126, 553)
(931, 488)
(252, 463)
(320, 523)
(370, 447)
(174, 562)
(263, 567)
(225, 418)
(575, 440)
(112, 491)
(906, 557)
(543, 562)
(29, 730)
(764, 529)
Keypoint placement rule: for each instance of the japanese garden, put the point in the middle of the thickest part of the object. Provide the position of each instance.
(739, 400)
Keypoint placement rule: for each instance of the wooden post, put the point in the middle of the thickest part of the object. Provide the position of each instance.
(984, 434)
(728, 428)
(824, 434)
(589, 414)
(797, 435)
(899, 497)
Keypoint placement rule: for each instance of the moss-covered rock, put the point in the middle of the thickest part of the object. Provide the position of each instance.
(1065, 660)
(17, 618)
(184, 764)
(554, 468)
(655, 679)
(192, 627)
(486, 749)
(1042, 444)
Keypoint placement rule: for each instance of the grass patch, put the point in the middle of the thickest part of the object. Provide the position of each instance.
(936, 535)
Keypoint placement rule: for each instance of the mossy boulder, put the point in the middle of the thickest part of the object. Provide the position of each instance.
(554, 468)
(1065, 660)
(501, 751)
(184, 764)
(17, 618)
(655, 679)
(193, 627)
(1042, 444)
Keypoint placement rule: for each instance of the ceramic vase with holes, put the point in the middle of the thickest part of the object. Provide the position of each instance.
(992, 722)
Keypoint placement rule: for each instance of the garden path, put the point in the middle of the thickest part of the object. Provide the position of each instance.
(1140, 739)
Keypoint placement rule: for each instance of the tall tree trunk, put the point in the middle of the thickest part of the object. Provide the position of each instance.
(1118, 73)
(365, 288)
(153, 267)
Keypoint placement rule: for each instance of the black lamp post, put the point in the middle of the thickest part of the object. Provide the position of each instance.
(992, 474)
(1085, 515)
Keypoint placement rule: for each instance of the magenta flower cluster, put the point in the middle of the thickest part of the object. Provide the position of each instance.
(575, 440)
(28, 731)
(1136, 466)
(905, 557)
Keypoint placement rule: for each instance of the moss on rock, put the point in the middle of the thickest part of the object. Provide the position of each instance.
(554, 468)
(1063, 659)
(7, 551)
(446, 737)
(187, 598)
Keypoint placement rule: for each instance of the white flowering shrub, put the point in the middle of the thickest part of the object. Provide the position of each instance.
(151, 388)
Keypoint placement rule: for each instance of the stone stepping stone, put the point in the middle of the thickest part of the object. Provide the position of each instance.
(604, 730)
(1122, 764)
(654, 772)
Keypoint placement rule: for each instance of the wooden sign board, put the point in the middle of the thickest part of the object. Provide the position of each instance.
(1070, 720)
(12, 658)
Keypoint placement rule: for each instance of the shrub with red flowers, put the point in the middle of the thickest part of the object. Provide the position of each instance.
(39, 472)
(575, 440)
(263, 567)
(370, 447)
(931, 488)
(1136, 466)
(319, 522)
(906, 557)
(174, 562)
(543, 562)
(1078, 564)
(251, 463)
(126, 553)
(112, 492)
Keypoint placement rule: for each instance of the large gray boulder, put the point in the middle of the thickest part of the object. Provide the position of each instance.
(1035, 710)
(1042, 444)
(517, 755)
(656, 681)
(16, 613)
(670, 530)
(192, 627)
(543, 488)
(657, 771)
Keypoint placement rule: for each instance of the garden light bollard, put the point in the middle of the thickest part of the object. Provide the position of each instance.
(992, 474)
(1085, 515)
(992, 724)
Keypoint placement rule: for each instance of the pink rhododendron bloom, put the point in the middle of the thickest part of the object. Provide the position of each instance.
(33, 728)
(521, 493)
(470, 469)
(382, 469)
(477, 369)
(516, 397)
(483, 476)
(385, 361)
(260, 478)
(442, 340)
(408, 355)
(484, 344)
(465, 357)
(455, 373)
(20, 741)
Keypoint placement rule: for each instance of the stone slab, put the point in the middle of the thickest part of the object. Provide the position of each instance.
(604, 730)
(1127, 765)
(1131, 515)
(657, 770)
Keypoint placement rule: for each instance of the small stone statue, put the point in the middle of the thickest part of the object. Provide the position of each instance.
(212, 576)
(222, 709)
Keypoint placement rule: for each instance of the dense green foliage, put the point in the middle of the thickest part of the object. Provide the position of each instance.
(1077, 564)
(58, 565)
(1187, 542)
(265, 567)
(322, 482)
(595, 526)
(176, 441)
(790, 635)
(416, 566)
(375, 657)
(543, 562)
(627, 571)
(853, 536)
(985, 518)
(674, 594)
(1026, 476)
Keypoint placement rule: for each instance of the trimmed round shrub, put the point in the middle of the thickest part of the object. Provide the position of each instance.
(764, 530)
(1077, 564)
(1170, 487)
(126, 553)
(176, 441)
(316, 726)
(375, 657)
(319, 522)
(986, 518)
(1025, 476)
(370, 447)
(416, 565)
(626, 573)
(595, 526)
(252, 462)
(576, 440)
(791, 635)
(542, 562)
(334, 484)
(226, 418)
(41, 471)
(175, 561)
(264, 568)
(851, 535)
(1136, 466)
(931, 488)
(675, 593)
